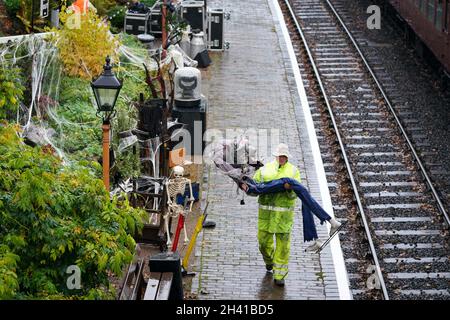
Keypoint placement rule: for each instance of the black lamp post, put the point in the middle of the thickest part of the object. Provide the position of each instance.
(32, 16)
(106, 91)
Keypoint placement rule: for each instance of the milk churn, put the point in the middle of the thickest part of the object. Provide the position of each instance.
(197, 44)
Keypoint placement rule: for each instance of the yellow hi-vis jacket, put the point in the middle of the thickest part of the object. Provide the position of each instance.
(276, 211)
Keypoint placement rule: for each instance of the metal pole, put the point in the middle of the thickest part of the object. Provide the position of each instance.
(198, 228)
(177, 232)
(32, 16)
(106, 128)
(163, 23)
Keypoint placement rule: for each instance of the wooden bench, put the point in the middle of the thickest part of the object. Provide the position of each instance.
(134, 283)
(158, 286)
(164, 283)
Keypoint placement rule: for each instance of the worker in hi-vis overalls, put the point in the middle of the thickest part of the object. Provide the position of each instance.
(276, 215)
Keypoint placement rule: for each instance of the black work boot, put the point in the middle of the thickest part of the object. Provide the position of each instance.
(279, 283)
(209, 224)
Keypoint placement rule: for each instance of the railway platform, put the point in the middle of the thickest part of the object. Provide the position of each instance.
(257, 84)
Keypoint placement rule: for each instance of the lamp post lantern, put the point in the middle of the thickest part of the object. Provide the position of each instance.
(106, 91)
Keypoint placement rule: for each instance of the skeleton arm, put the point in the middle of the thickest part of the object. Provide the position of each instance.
(191, 199)
(169, 200)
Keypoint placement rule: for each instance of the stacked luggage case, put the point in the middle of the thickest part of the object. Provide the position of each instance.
(194, 12)
(215, 30)
(136, 23)
(210, 21)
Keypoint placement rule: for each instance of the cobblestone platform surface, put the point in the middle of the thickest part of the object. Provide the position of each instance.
(252, 86)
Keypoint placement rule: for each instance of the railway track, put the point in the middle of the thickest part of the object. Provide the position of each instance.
(415, 90)
(396, 245)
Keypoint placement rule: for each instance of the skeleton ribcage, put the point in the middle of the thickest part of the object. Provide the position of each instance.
(176, 186)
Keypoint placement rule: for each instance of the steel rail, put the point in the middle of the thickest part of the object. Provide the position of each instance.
(344, 154)
(397, 120)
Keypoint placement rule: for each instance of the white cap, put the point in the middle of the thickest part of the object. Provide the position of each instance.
(282, 150)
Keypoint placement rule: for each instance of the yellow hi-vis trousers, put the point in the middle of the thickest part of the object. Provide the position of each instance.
(277, 256)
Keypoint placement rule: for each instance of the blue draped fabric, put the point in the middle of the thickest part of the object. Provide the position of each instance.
(309, 205)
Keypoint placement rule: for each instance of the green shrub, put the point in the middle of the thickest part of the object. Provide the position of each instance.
(12, 7)
(52, 217)
(74, 89)
(83, 50)
(11, 90)
(148, 3)
(116, 16)
(103, 6)
(24, 15)
(57, 4)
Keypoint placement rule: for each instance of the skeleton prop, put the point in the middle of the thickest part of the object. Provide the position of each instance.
(175, 186)
(236, 158)
(239, 173)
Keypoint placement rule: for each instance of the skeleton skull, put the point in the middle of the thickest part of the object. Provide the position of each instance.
(178, 171)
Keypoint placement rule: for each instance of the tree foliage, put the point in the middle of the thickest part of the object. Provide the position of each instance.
(84, 41)
(25, 14)
(12, 7)
(103, 6)
(54, 216)
(116, 16)
(11, 90)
